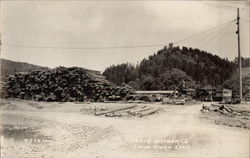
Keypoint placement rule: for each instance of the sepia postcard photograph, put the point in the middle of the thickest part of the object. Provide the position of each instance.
(124, 79)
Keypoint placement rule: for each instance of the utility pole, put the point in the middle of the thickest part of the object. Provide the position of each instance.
(239, 55)
(0, 44)
(0, 58)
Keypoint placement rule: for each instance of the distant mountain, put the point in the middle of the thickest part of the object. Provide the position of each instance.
(9, 67)
(169, 66)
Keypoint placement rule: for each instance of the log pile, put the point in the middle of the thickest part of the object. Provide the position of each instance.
(61, 84)
(226, 110)
(115, 110)
(133, 110)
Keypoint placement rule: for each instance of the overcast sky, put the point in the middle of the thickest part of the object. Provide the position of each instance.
(110, 24)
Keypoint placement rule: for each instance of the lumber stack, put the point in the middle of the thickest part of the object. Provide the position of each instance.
(61, 84)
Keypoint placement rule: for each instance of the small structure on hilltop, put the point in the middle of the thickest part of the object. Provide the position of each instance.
(170, 45)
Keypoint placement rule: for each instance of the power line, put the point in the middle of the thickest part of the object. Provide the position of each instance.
(187, 38)
(109, 47)
(118, 47)
(218, 35)
(206, 37)
(198, 36)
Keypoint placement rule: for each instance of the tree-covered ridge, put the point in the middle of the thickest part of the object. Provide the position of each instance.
(166, 68)
(203, 67)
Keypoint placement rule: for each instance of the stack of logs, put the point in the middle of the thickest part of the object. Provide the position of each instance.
(229, 110)
(61, 84)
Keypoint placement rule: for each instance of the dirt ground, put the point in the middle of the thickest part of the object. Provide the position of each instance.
(239, 116)
(71, 130)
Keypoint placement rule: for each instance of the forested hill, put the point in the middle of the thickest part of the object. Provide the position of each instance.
(169, 66)
(201, 66)
(9, 67)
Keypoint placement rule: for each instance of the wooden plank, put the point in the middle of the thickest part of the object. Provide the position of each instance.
(115, 110)
(138, 109)
(148, 112)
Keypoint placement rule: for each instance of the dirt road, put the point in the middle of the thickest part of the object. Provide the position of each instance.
(32, 129)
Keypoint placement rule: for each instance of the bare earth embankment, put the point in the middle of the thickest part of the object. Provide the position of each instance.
(42, 129)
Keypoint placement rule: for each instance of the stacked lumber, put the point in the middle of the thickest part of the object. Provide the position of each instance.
(61, 84)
